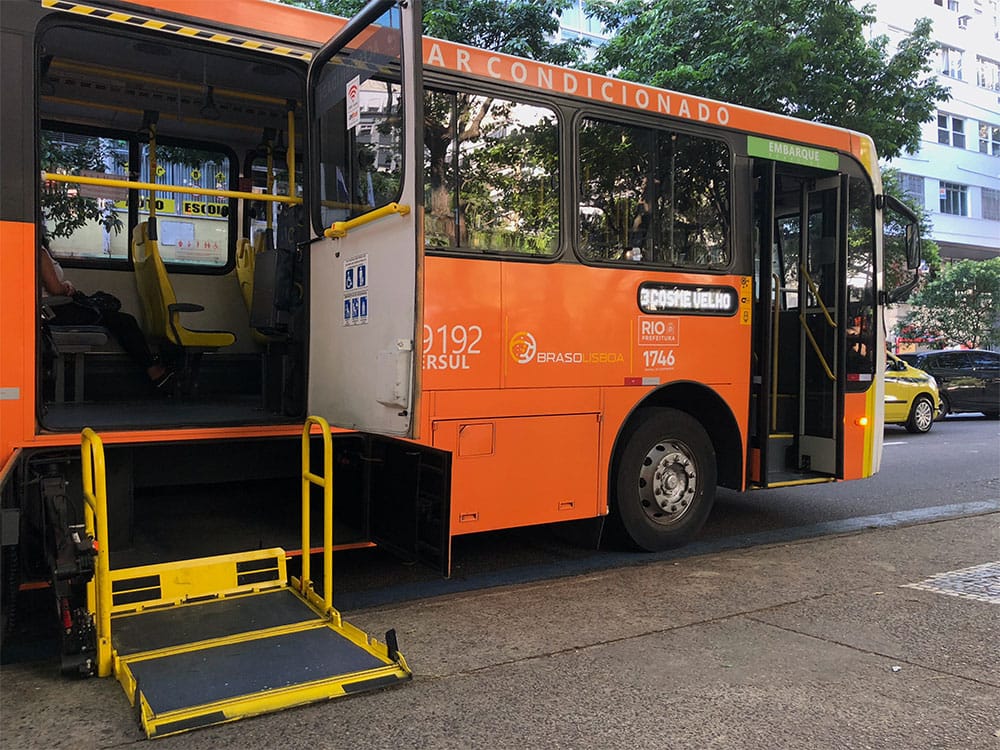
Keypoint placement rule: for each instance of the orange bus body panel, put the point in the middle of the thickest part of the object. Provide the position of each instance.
(539, 397)
(18, 330)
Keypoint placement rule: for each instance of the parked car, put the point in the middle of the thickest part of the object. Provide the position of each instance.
(911, 395)
(968, 379)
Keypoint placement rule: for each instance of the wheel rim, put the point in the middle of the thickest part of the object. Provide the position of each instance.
(923, 415)
(668, 482)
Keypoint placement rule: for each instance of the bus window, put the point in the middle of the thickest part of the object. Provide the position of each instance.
(193, 229)
(491, 175)
(653, 197)
(85, 222)
(88, 222)
(365, 170)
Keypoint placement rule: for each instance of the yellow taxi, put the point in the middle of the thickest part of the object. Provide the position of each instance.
(911, 395)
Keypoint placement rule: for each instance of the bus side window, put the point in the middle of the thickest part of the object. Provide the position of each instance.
(491, 174)
(652, 196)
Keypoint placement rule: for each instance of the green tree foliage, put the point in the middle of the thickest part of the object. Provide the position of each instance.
(805, 58)
(65, 209)
(527, 28)
(959, 307)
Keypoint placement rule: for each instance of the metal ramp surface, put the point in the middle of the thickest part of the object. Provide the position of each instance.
(212, 640)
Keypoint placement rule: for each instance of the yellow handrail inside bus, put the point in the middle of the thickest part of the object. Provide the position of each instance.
(184, 189)
(776, 282)
(341, 228)
(815, 346)
(95, 496)
(815, 290)
(326, 482)
(290, 151)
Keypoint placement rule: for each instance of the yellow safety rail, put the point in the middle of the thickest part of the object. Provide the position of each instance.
(130, 185)
(776, 284)
(815, 290)
(805, 326)
(341, 228)
(326, 482)
(95, 498)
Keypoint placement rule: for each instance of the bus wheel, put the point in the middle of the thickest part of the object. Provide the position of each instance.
(665, 479)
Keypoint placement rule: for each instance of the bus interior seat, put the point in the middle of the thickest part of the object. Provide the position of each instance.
(161, 310)
(244, 269)
(257, 285)
(70, 341)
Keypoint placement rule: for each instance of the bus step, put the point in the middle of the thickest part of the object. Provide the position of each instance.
(221, 659)
(780, 453)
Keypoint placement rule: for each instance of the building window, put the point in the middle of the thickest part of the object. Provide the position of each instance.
(954, 199)
(950, 62)
(951, 130)
(913, 186)
(991, 204)
(988, 73)
(989, 139)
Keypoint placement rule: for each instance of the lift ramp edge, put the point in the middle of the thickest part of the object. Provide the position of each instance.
(271, 701)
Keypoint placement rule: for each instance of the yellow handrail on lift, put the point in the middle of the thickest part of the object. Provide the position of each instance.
(341, 228)
(326, 482)
(95, 498)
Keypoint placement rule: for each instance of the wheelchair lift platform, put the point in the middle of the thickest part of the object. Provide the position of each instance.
(255, 648)
(216, 639)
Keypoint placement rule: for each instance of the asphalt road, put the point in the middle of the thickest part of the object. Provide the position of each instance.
(951, 471)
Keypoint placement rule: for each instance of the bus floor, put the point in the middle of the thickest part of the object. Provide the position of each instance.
(158, 412)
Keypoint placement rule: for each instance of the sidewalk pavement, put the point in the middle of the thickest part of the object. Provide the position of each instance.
(884, 638)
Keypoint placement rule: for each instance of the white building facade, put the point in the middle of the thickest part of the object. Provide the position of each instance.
(955, 174)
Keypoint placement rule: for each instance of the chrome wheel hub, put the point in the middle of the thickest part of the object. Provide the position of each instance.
(668, 482)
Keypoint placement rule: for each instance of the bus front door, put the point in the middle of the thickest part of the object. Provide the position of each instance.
(365, 157)
(800, 218)
(365, 299)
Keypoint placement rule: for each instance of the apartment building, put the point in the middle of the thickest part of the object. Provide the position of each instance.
(955, 174)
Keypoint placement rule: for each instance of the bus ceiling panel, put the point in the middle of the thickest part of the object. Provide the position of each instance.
(190, 83)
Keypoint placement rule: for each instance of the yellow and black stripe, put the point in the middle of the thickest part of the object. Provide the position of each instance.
(135, 20)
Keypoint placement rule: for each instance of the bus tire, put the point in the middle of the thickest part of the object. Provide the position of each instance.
(664, 479)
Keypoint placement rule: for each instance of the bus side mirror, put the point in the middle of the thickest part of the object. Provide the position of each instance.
(912, 246)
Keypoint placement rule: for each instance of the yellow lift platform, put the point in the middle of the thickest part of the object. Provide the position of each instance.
(212, 640)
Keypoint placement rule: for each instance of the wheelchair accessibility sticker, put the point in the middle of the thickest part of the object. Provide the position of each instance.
(356, 291)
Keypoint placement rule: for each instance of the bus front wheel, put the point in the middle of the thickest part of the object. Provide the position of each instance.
(665, 479)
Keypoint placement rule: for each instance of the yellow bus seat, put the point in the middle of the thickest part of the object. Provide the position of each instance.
(244, 269)
(161, 312)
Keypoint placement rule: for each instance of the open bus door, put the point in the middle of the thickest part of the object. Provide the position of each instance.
(799, 344)
(365, 110)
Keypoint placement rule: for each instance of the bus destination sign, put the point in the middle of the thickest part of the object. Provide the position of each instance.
(687, 299)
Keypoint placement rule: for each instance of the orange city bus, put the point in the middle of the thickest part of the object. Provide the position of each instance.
(522, 294)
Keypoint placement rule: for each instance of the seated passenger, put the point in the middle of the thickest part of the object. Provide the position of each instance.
(122, 326)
